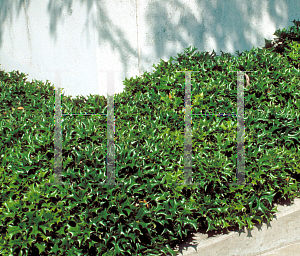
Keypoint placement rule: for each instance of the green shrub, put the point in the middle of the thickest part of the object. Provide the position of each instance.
(149, 214)
(281, 43)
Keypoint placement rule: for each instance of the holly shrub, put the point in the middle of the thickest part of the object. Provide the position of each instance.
(150, 209)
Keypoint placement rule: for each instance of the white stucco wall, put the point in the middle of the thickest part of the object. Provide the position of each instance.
(79, 38)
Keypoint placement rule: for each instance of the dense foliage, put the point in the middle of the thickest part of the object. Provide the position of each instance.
(149, 213)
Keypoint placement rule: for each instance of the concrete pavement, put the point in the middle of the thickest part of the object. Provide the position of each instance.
(282, 237)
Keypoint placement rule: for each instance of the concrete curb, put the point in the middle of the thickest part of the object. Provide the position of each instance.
(281, 237)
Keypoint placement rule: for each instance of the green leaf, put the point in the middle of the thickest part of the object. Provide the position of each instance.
(12, 230)
(61, 231)
(55, 248)
(40, 247)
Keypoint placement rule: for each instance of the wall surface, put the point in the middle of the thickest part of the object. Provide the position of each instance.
(80, 40)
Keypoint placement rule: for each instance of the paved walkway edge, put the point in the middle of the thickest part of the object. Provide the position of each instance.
(284, 230)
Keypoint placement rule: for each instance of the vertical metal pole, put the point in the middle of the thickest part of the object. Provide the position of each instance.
(188, 131)
(240, 129)
(240, 174)
(57, 133)
(110, 130)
